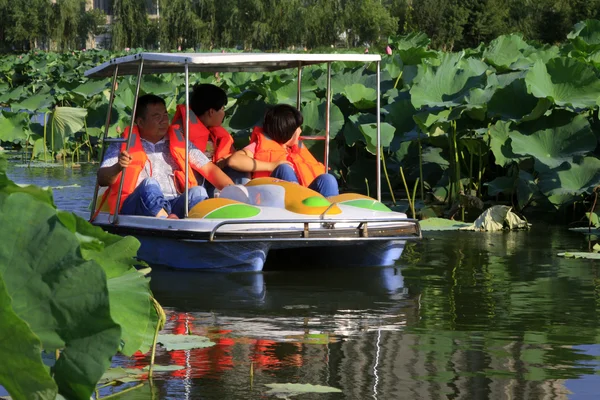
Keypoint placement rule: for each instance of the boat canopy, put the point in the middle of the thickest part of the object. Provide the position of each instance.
(160, 63)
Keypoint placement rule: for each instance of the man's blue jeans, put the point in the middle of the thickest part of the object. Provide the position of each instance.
(326, 184)
(148, 199)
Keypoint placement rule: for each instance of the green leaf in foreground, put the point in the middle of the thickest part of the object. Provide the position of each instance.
(184, 342)
(22, 372)
(293, 389)
(62, 297)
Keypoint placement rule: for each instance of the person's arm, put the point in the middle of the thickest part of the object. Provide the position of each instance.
(108, 175)
(243, 161)
(215, 176)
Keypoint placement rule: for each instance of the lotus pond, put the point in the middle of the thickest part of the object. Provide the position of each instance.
(463, 315)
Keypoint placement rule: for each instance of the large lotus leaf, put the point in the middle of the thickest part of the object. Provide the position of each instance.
(586, 36)
(427, 119)
(37, 102)
(502, 184)
(287, 94)
(413, 39)
(505, 50)
(500, 143)
(565, 184)
(400, 115)
(61, 296)
(566, 81)
(247, 115)
(13, 126)
(512, 102)
(314, 119)
(362, 97)
(526, 188)
(91, 88)
(65, 122)
(441, 224)
(554, 144)
(534, 54)
(369, 131)
(7, 187)
(22, 371)
(340, 80)
(124, 96)
(15, 94)
(155, 85)
(433, 155)
(393, 65)
(446, 85)
(129, 290)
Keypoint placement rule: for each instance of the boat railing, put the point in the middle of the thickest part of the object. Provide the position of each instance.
(364, 230)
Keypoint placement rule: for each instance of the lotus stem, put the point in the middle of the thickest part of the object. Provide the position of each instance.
(45, 128)
(251, 374)
(124, 391)
(387, 178)
(421, 166)
(414, 195)
(368, 191)
(410, 201)
(159, 325)
(52, 138)
(398, 79)
(592, 210)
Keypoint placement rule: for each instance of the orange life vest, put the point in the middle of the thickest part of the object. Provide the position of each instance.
(307, 168)
(199, 134)
(139, 158)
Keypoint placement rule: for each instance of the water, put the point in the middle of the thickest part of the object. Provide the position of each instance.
(461, 316)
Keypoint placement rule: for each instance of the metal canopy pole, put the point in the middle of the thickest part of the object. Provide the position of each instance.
(129, 138)
(299, 94)
(327, 117)
(187, 136)
(378, 113)
(105, 135)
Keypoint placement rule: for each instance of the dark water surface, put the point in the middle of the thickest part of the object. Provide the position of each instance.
(462, 316)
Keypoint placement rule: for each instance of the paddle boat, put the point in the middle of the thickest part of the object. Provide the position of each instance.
(246, 224)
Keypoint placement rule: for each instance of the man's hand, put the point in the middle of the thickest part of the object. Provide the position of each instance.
(124, 160)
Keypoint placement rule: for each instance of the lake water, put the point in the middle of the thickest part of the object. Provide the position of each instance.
(462, 315)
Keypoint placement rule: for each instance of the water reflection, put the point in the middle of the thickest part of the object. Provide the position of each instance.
(463, 316)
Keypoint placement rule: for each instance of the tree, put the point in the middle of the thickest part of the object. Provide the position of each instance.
(66, 20)
(130, 22)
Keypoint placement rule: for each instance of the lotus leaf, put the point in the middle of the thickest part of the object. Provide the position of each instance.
(565, 81)
(184, 342)
(314, 119)
(66, 121)
(129, 290)
(446, 85)
(91, 88)
(441, 224)
(553, 141)
(22, 372)
(286, 390)
(496, 217)
(340, 80)
(505, 50)
(512, 102)
(15, 94)
(41, 101)
(393, 65)
(400, 116)
(566, 183)
(13, 126)
(586, 36)
(287, 94)
(526, 188)
(428, 119)
(61, 296)
(157, 85)
(247, 115)
(413, 39)
(369, 131)
(580, 254)
(502, 184)
(362, 97)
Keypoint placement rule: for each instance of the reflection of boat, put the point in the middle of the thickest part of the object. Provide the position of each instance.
(314, 291)
(237, 230)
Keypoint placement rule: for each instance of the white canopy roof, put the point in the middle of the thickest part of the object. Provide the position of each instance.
(158, 63)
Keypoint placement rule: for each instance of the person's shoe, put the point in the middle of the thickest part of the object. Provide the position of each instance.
(172, 216)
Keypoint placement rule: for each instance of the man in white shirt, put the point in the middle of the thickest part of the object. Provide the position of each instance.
(157, 160)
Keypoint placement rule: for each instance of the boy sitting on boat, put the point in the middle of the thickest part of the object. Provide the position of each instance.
(155, 162)
(207, 110)
(275, 151)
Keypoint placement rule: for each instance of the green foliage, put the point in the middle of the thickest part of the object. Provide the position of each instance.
(65, 287)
